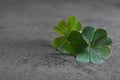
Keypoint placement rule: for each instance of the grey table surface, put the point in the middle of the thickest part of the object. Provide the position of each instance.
(26, 33)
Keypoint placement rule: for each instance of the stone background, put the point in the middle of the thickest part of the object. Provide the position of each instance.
(26, 33)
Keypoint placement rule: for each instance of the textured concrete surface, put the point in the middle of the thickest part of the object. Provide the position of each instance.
(26, 33)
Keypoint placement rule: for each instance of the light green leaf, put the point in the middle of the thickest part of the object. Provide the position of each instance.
(63, 26)
(77, 27)
(103, 51)
(59, 31)
(95, 57)
(60, 44)
(88, 33)
(72, 21)
(83, 56)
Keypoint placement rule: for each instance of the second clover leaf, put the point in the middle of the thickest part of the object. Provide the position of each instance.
(89, 46)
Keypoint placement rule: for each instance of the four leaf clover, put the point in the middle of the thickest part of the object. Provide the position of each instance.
(90, 45)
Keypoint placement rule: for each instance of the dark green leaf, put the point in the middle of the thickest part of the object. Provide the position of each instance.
(77, 43)
(106, 41)
(99, 35)
(73, 49)
(88, 34)
(75, 37)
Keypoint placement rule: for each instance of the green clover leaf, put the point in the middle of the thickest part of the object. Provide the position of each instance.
(89, 46)
(76, 43)
(64, 28)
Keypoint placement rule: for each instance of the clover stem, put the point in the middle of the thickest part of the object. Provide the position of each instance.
(89, 45)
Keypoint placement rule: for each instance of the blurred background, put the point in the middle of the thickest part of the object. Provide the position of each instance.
(24, 16)
(26, 33)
